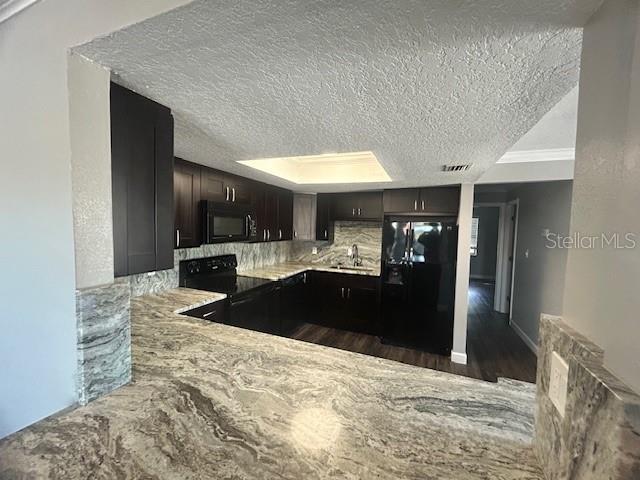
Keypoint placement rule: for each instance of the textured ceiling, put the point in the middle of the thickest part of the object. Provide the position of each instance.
(557, 129)
(420, 83)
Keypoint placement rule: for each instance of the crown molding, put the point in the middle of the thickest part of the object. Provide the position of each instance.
(547, 155)
(9, 8)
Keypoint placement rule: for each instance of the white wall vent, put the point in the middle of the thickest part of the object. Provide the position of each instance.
(456, 168)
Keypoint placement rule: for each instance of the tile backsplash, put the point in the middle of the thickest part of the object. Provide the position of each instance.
(367, 235)
(250, 256)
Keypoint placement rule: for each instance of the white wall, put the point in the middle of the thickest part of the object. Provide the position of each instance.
(601, 290)
(38, 339)
(539, 277)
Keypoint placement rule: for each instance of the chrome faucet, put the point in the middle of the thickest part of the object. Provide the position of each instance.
(355, 256)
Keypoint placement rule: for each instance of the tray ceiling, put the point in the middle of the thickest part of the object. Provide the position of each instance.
(421, 84)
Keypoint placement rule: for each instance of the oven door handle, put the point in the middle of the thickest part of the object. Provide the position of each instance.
(235, 303)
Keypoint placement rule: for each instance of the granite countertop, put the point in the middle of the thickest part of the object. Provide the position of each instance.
(213, 401)
(280, 271)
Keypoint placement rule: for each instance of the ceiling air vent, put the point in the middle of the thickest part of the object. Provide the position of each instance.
(456, 168)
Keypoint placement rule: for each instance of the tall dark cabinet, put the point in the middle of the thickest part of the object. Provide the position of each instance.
(142, 183)
(186, 185)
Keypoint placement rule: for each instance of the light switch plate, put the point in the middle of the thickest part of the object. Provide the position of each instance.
(314, 250)
(349, 251)
(558, 380)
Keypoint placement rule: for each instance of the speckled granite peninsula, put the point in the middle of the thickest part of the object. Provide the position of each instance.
(212, 401)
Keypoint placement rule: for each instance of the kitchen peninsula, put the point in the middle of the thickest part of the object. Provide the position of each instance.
(212, 401)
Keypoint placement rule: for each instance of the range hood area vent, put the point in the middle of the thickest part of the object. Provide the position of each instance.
(456, 168)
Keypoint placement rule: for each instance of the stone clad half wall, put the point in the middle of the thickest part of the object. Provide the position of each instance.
(104, 339)
(599, 436)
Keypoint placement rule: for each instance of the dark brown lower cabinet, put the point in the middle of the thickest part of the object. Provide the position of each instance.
(344, 301)
(142, 183)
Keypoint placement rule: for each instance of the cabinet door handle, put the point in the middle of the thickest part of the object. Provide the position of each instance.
(348, 293)
(264, 234)
(295, 234)
(342, 292)
(279, 234)
(233, 191)
(208, 314)
(359, 211)
(415, 204)
(227, 193)
(353, 212)
(268, 233)
(422, 204)
(177, 237)
(326, 235)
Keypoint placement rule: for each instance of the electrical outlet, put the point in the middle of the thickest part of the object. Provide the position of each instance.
(558, 379)
(314, 250)
(349, 251)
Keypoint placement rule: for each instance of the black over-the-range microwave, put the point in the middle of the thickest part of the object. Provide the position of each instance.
(224, 222)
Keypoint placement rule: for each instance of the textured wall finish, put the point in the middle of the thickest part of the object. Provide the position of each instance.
(89, 117)
(599, 436)
(601, 296)
(36, 194)
(104, 339)
(420, 83)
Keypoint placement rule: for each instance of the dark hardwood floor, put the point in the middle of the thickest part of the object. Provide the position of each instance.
(493, 348)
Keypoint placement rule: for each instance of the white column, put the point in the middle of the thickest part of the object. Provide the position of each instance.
(459, 351)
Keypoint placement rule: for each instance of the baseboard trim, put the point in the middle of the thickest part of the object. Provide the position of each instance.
(525, 338)
(460, 358)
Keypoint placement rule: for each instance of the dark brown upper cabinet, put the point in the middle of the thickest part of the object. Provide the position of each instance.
(142, 183)
(356, 206)
(219, 186)
(323, 212)
(213, 186)
(423, 201)
(186, 187)
(440, 200)
(285, 215)
(274, 210)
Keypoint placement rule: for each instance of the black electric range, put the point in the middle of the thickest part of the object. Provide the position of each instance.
(251, 302)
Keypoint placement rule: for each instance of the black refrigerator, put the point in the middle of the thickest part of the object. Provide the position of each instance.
(418, 282)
